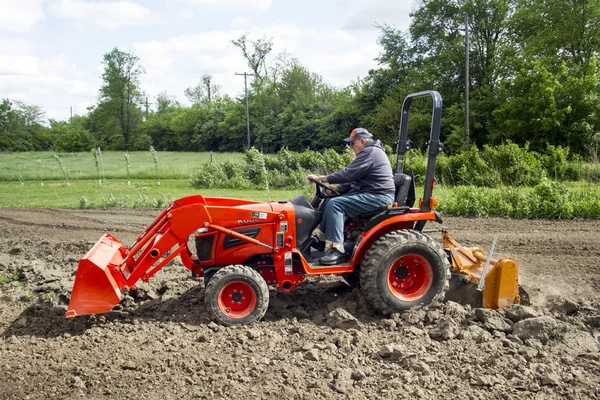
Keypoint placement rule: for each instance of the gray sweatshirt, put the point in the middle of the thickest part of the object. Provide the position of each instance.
(370, 172)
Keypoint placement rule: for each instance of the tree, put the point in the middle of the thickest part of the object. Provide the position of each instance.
(6, 115)
(21, 127)
(204, 92)
(71, 137)
(120, 94)
(437, 31)
(554, 95)
(165, 103)
(256, 55)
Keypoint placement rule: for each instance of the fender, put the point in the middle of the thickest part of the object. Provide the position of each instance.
(400, 222)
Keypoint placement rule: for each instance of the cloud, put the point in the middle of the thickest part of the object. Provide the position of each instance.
(51, 82)
(340, 67)
(232, 4)
(178, 62)
(153, 54)
(365, 15)
(18, 65)
(12, 45)
(106, 14)
(239, 22)
(20, 16)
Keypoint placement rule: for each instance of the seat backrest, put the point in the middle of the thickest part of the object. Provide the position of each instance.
(405, 190)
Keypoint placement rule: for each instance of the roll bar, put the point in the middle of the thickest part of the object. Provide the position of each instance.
(435, 147)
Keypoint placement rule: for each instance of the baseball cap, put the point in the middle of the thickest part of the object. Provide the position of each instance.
(358, 133)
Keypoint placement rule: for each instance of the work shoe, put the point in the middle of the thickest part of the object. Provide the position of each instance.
(317, 244)
(333, 256)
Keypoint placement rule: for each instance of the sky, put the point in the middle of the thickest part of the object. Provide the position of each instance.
(51, 50)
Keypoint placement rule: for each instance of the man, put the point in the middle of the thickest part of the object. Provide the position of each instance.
(366, 185)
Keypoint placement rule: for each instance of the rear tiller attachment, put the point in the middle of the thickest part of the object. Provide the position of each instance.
(500, 287)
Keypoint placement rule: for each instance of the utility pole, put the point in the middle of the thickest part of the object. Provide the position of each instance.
(467, 139)
(146, 108)
(71, 114)
(246, 75)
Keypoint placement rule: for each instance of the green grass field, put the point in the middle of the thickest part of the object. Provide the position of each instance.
(171, 165)
(116, 193)
(23, 183)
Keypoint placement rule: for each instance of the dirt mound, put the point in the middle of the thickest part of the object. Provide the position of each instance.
(320, 341)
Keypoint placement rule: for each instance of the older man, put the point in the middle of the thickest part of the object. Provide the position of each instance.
(366, 185)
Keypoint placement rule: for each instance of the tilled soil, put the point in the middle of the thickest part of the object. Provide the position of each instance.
(320, 341)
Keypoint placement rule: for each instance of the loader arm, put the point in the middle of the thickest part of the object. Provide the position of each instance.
(110, 269)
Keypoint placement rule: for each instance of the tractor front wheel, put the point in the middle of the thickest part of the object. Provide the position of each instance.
(236, 295)
(404, 269)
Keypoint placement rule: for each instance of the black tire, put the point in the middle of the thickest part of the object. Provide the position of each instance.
(402, 270)
(207, 277)
(236, 295)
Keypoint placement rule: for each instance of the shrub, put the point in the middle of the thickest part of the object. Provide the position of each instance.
(517, 166)
(210, 175)
(256, 168)
(312, 161)
(552, 200)
(417, 162)
(549, 199)
(468, 168)
(555, 162)
(72, 140)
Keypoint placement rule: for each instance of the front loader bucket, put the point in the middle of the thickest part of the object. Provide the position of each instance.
(95, 289)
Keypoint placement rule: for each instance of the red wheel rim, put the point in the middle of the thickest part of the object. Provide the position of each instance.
(237, 299)
(410, 277)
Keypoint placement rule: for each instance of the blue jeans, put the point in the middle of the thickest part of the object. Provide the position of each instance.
(335, 209)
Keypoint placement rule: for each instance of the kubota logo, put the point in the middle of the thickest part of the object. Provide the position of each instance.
(248, 221)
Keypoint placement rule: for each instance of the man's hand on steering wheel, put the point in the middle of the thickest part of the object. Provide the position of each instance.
(329, 191)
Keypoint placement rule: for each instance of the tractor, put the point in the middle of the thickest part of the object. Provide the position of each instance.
(240, 247)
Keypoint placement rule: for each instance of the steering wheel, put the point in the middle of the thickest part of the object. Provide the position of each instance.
(320, 186)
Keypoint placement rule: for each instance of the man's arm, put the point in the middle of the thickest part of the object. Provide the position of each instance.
(357, 169)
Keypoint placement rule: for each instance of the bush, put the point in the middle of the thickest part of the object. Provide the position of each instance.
(552, 200)
(287, 170)
(517, 166)
(417, 162)
(73, 140)
(556, 163)
(549, 199)
(210, 175)
(468, 168)
(256, 168)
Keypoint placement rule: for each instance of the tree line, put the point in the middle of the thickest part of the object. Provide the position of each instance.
(533, 80)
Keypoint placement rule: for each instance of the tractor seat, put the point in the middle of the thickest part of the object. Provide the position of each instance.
(405, 195)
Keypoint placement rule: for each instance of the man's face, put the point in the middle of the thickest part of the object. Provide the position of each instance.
(357, 145)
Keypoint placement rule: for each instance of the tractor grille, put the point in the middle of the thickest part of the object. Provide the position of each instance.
(232, 242)
(204, 245)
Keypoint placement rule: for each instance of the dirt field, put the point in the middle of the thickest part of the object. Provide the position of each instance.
(320, 341)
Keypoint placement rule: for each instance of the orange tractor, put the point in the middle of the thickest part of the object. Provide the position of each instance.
(243, 246)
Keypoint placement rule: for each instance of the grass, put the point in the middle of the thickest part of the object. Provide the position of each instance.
(15, 167)
(116, 193)
(22, 174)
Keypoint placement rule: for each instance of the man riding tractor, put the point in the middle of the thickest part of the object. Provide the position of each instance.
(366, 185)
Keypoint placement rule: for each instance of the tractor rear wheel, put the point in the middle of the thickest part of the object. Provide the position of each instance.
(402, 270)
(236, 295)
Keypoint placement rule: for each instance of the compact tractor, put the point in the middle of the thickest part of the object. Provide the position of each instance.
(242, 246)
